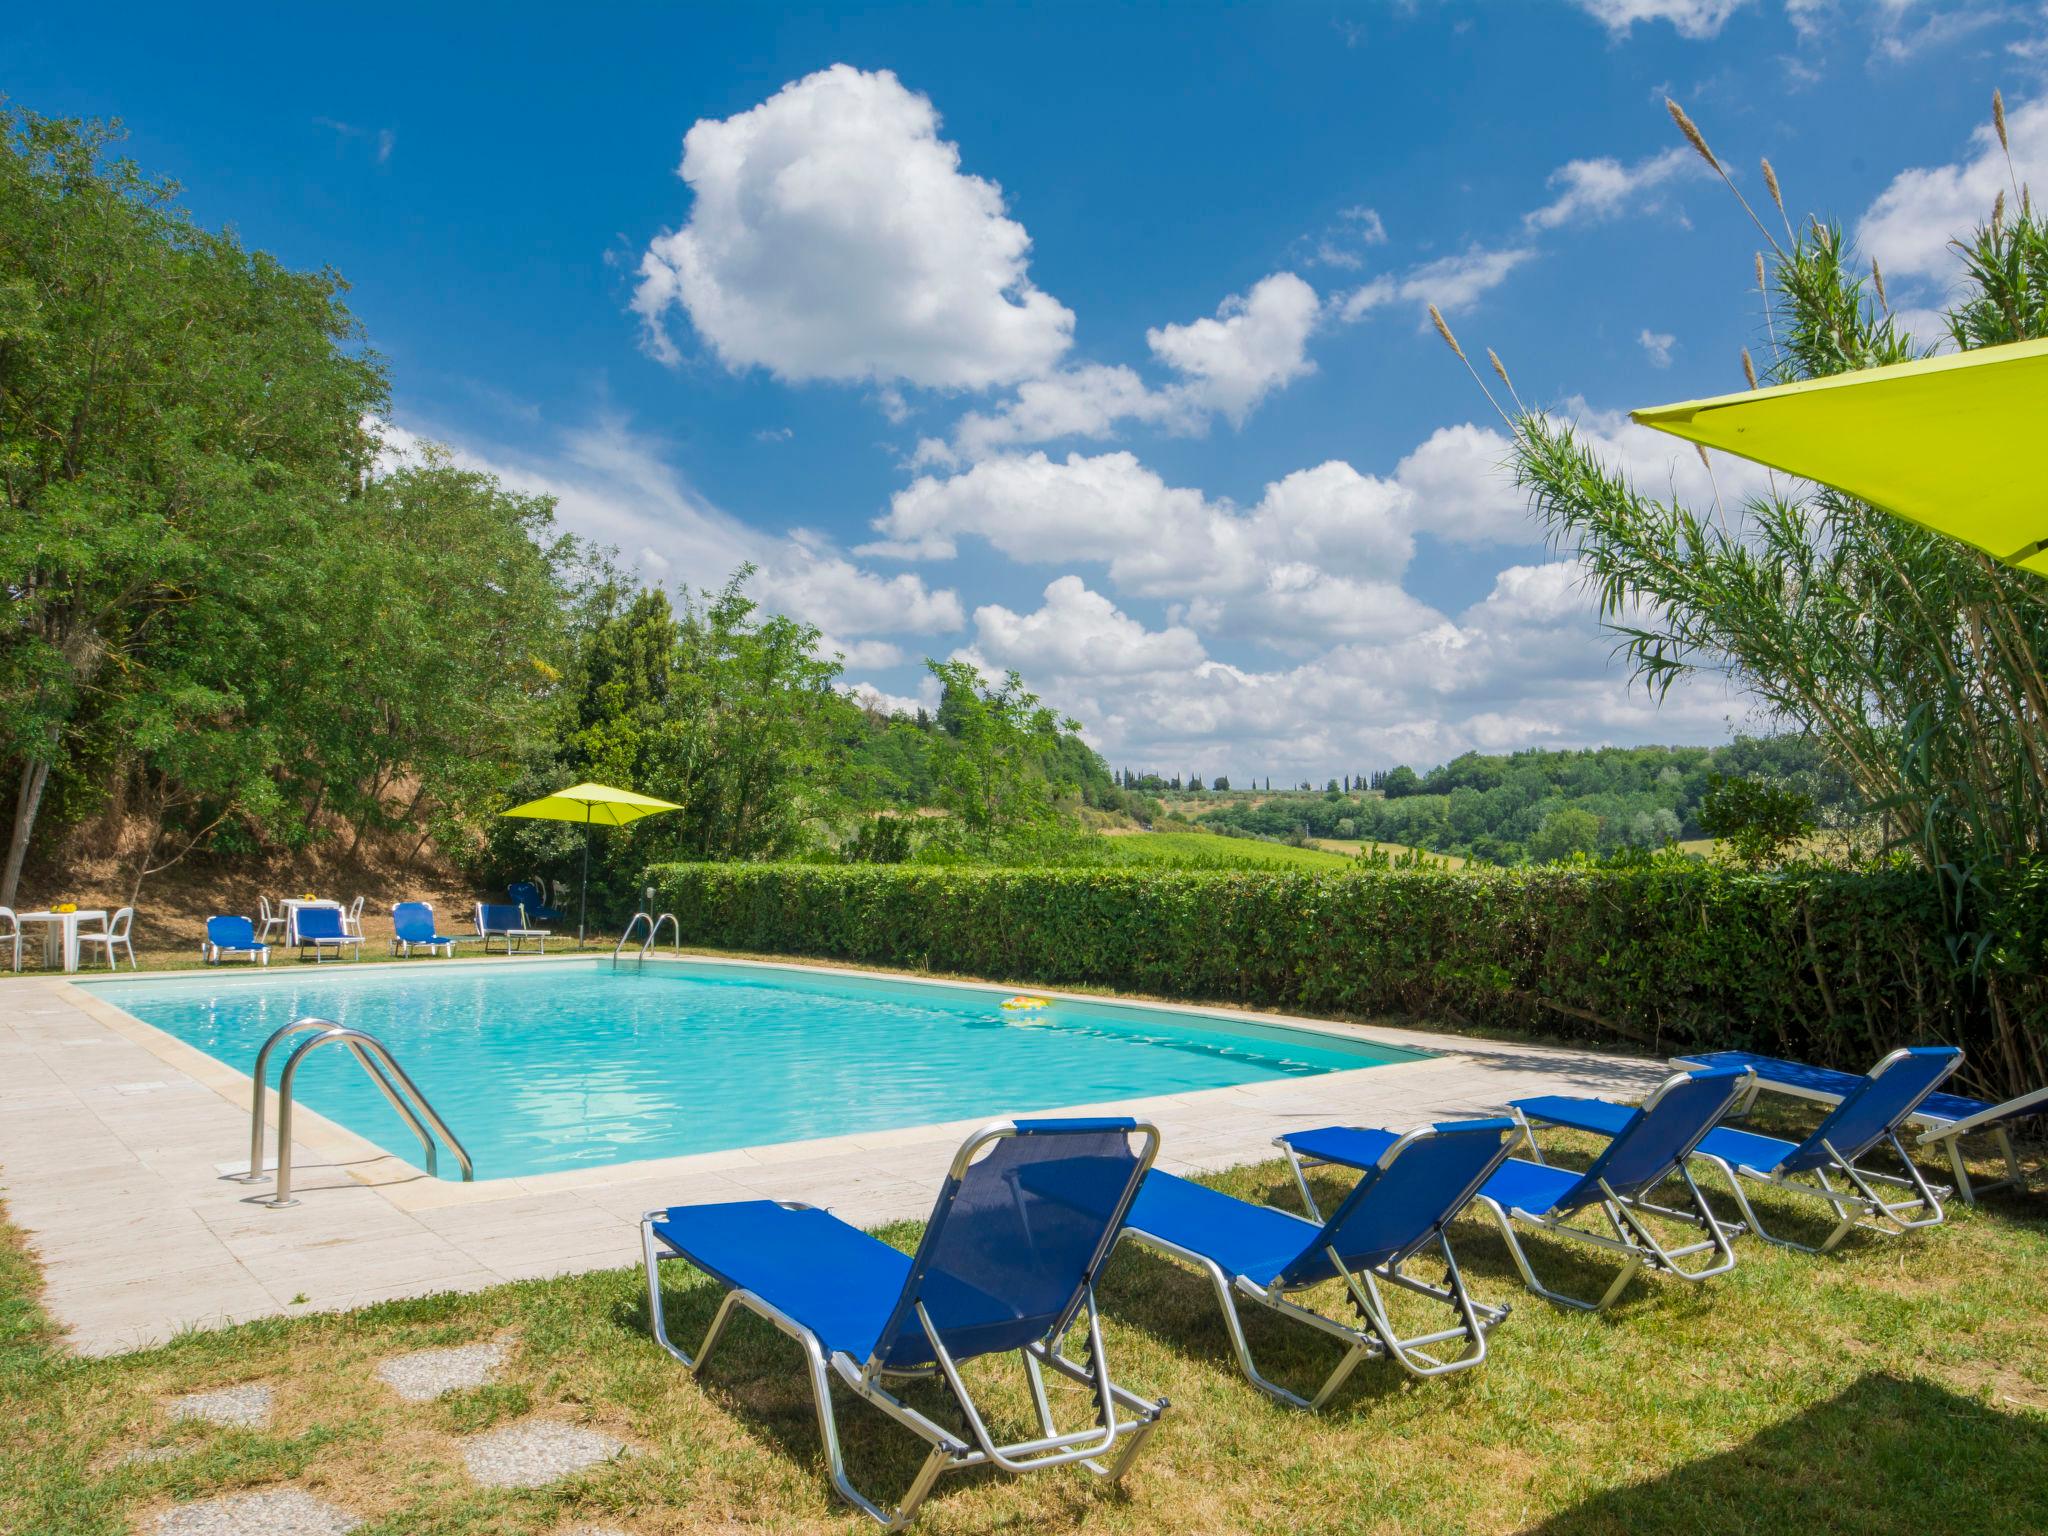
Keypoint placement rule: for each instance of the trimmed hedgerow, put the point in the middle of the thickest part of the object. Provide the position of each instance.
(1830, 965)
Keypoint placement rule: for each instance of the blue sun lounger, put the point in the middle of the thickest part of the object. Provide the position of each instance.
(320, 929)
(1944, 1118)
(1028, 1214)
(1650, 1149)
(1872, 1113)
(497, 921)
(412, 927)
(1401, 1207)
(233, 936)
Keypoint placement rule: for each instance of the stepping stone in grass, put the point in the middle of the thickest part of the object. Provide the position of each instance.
(271, 1512)
(427, 1374)
(243, 1407)
(536, 1453)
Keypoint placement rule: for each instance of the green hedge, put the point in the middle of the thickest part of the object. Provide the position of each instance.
(1819, 964)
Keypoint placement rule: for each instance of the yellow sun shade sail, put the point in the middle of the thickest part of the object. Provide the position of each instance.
(1957, 443)
(598, 805)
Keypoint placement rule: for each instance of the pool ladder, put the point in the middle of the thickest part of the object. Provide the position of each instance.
(653, 933)
(398, 1089)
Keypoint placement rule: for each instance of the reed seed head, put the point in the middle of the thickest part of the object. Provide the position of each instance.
(1771, 181)
(1998, 120)
(1998, 212)
(1436, 319)
(1761, 286)
(1693, 136)
(1749, 370)
(1493, 357)
(1701, 450)
(1877, 280)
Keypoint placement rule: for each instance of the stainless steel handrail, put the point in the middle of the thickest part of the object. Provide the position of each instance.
(404, 1096)
(632, 923)
(654, 934)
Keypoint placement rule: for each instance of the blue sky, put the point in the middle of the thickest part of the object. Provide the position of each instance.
(1085, 340)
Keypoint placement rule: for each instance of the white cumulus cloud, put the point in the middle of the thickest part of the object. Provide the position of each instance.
(1603, 187)
(834, 235)
(1255, 344)
(1908, 227)
(1689, 18)
(1079, 632)
(1452, 283)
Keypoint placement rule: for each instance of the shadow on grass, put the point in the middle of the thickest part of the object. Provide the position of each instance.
(1886, 1454)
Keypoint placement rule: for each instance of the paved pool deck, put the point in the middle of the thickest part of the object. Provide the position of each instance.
(117, 1143)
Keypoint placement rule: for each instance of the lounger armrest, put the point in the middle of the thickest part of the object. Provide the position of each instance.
(2026, 1104)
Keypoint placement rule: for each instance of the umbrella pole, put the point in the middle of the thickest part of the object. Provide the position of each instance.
(583, 896)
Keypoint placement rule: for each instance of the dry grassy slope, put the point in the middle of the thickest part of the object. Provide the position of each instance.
(174, 905)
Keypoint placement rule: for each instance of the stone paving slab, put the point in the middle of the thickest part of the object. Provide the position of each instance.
(270, 1512)
(122, 1196)
(536, 1453)
(244, 1407)
(426, 1374)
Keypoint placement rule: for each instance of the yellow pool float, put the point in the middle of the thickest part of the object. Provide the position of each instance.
(1024, 1004)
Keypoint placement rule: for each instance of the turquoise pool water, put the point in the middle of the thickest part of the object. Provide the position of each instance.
(545, 1067)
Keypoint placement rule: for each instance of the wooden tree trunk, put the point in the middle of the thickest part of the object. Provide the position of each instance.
(28, 800)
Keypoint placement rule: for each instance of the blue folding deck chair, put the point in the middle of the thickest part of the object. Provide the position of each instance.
(1028, 1214)
(1873, 1112)
(1402, 1205)
(412, 927)
(233, 936)
(1944, 1118)
(531, 897)
(1649, 1150)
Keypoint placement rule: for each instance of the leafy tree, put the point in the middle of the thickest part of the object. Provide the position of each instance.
(1563, 833)
(1401, 781)
(989, 759)
(881, 839)
(180, 420)
(1757, 821)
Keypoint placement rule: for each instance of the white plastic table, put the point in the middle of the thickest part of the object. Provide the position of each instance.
(60, 932)
(291, 914)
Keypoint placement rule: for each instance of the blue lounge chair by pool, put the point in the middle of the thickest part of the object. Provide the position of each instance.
(1398, 1209)
(1028, 1214)
(1944, 1118)
(508, 924)
(1874, 1112)
(412, 927)
(233, 936)
(321, 929)
(532, 896)
(1650, 1150)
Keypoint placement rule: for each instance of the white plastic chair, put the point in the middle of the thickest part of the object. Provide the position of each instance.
(352, 919)
(268, 919)
(115, 933)
(13, 935)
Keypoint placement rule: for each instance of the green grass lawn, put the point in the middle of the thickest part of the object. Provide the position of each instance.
(1206, 850)
(1901, 1386)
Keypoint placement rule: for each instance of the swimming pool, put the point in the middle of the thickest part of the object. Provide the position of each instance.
(556, 1065)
